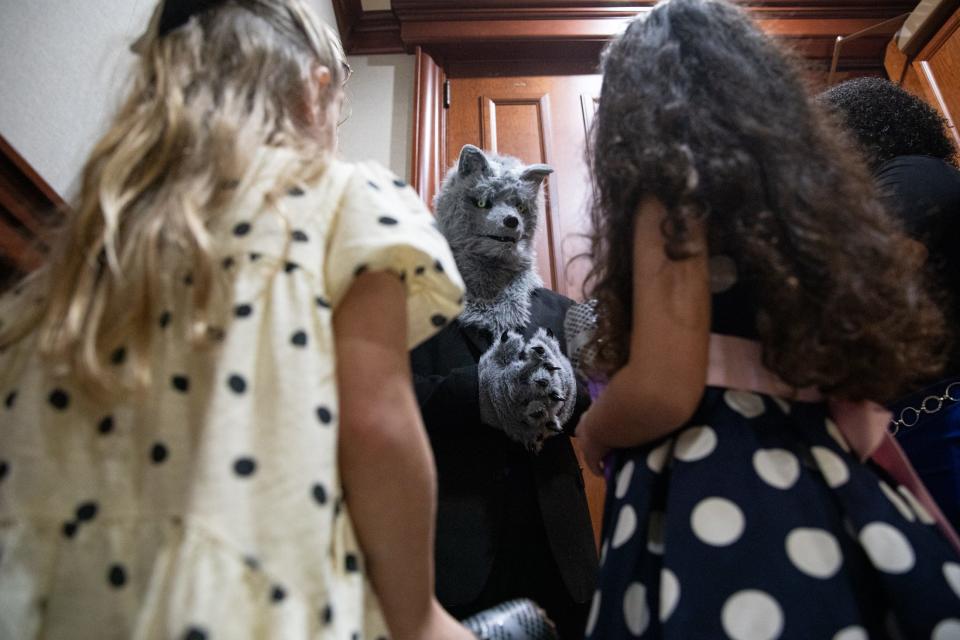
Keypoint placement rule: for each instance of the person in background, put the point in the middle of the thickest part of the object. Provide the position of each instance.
(753, 297)
(905, 143)
(208, 425)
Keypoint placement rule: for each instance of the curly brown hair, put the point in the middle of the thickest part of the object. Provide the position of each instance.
(702, 111)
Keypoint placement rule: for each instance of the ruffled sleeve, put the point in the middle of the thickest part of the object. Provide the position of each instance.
(382, 225)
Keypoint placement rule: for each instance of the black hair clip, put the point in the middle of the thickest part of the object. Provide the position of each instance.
(176, 13)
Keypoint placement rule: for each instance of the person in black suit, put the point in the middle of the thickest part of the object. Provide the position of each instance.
(510, 522)
(500, 401)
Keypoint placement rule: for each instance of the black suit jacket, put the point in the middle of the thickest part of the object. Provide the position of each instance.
(477, 465)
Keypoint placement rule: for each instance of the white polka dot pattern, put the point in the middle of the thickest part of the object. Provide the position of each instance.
(951, 573)
(669, 593)
(747, 404)
(897, 501)
(752, 615)
(625, 528)
(834, 431)
(854, 632)
(695, 443)
(833, 468)
(815, 552)
(717, 521)
(623, 479)
(888, 549)
(636, 612)
(594, 613)
(948, 629)
(777, 467)
(658, 457)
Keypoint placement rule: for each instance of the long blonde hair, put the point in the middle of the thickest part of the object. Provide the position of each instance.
(204, 98)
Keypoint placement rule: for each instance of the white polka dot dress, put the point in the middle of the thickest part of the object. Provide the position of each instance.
(755, 521)
(211, 507)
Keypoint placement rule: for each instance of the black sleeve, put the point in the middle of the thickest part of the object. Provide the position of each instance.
(583, 403)
(445, 396)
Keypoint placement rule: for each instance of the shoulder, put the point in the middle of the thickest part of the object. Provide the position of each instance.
(551, 300)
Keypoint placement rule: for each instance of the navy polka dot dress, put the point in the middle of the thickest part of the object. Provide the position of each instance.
(755, 521)
(211, 508)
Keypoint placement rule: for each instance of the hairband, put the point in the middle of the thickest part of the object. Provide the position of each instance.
(176, 13)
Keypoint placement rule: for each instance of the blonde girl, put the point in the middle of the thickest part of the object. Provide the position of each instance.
(208, 426)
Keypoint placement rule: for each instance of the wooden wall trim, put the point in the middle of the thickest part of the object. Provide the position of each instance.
(464, 29)
(429, 146)
(28, 206)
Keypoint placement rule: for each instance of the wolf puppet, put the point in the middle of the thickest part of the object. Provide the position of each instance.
(500, 401)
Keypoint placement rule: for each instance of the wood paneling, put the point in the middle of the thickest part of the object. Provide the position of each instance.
(429, 160)
(934, 73)
(577, 30)
(28, 206)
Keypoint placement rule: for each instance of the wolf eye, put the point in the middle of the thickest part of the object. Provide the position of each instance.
(480, 203)
(521, 208)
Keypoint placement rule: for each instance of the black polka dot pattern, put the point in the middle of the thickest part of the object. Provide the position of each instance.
(254, 257)
(290, 267)
(320, 494)
(87, 511)
(59, 399)
(387, 221)
(165, 318)
(180, 383)
(327, 614)
(373, 185)
(69, 529)
(438, 266)
(188, 279)
(295, 192)
(299, 339)
(241, 229)
(420, 271)
(159, 453)
(243, 310)
(351, 563)
(117, 576)
(228, 263)
(400, 184)
(119, 356)
(4, 469)
(360, 270)
(237, 383)
(277, 594)
(10, 400)
(324, 415)
(195, 633)
(438, 320)
(245, 467)
(105, 426)
(299, 236)
(252, 563)
(323, 303)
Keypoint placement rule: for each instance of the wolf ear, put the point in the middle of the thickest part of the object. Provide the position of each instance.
(535, 173)
(472, 160)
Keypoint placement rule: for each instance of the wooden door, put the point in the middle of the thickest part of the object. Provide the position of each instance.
(539, 119)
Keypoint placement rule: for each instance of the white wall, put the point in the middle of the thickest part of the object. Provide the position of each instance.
(62, 70)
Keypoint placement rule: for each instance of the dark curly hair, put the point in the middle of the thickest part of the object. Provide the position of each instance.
(703, 112)
(888, 121)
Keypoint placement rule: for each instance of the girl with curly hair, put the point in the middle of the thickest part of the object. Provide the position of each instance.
(753, 297)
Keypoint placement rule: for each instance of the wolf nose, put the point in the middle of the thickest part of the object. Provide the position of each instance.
(511, 222)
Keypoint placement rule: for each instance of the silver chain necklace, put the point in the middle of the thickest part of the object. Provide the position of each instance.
(910, 416)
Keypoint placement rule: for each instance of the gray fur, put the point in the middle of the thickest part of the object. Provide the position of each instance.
(487, 210)
(499, 275)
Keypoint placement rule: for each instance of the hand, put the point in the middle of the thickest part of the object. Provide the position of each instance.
(438, 625)
(594, 452)
(527, 389)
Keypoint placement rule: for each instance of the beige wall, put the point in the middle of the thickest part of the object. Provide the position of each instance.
(62, 70)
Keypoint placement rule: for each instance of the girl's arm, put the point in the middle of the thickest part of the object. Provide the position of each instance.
(385, 458)
(660, 386)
